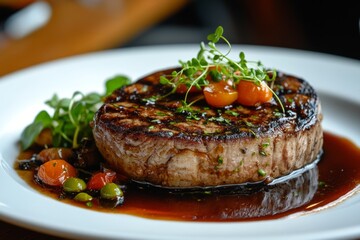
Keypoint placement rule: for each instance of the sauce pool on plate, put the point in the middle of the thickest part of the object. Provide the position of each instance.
(336, 175)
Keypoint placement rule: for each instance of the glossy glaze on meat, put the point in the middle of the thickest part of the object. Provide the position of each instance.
(155, 143)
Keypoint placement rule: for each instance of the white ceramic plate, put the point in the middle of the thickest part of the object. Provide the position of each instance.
(23, 94)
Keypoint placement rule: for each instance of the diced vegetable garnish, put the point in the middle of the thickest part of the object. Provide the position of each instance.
(55, 172)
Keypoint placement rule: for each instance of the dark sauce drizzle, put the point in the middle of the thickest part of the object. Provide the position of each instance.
(337, 174)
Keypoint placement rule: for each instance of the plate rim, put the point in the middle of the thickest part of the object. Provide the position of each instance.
(19, 74)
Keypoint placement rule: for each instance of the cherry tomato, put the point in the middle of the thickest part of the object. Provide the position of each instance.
(100, 179)
(220, 94)
(55, 172)
(250, 94)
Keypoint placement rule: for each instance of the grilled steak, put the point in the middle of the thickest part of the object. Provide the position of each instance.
(157, 143)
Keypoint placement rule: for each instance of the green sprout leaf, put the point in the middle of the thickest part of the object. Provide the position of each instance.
(115, 83)
(71, 117)
(215, 37)
(41, 121)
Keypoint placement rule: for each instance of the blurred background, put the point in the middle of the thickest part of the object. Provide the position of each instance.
(33, 32)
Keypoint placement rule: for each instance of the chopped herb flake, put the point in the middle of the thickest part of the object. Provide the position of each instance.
(261, 172)
(232, 113)
(220, 119)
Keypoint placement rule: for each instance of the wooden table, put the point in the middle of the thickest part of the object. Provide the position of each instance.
(75, 28)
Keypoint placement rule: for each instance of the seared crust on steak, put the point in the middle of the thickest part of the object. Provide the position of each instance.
(155, 143)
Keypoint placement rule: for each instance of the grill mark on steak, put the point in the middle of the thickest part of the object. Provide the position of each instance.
(153, 142)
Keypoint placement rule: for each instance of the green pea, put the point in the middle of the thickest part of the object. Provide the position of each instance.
(83, 197)
(74, 185)
(111, 191)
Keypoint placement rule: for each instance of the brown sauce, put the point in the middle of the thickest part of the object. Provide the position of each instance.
(335, 176)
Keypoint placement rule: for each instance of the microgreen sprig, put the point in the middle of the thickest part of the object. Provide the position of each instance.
(70, 121)
(212, 61)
